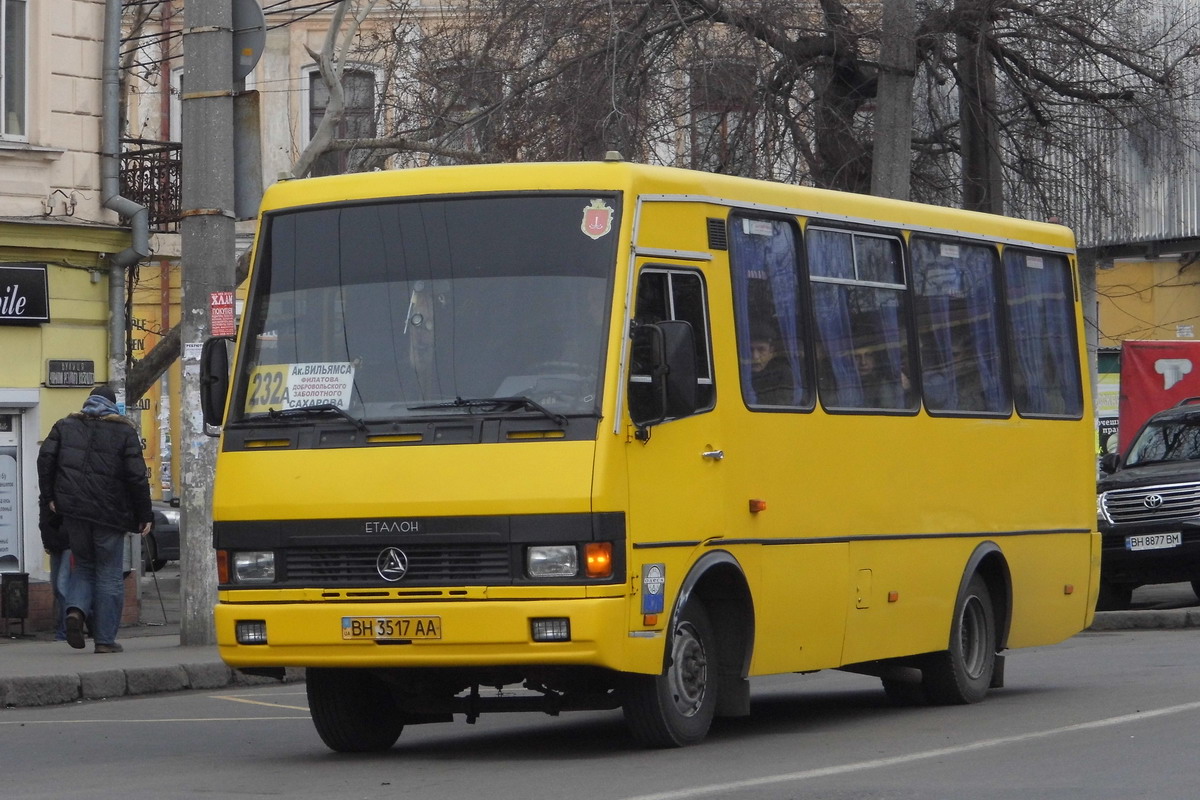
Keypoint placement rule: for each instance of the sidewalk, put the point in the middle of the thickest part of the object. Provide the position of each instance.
(35, 670)
(38, 671)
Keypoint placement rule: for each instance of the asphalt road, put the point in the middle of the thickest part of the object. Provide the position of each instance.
(1102, 716)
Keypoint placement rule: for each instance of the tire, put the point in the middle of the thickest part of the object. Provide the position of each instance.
(1196, 588)
(353, 711)
(963, 673)
(1115, 596)
(676, 708)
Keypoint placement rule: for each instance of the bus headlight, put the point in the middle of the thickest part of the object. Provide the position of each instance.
(552, 561)
(254, 567)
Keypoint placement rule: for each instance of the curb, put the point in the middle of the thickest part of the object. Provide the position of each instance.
(48, 690)
(1146, 619)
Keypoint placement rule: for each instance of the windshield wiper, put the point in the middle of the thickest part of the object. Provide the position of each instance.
(494, 402)
(304, 411)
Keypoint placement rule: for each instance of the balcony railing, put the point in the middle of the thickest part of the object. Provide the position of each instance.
(150, 176)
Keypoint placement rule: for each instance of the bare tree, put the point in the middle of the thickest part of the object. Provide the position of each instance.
(1017, 105)
(1007, 92)
(345, 23)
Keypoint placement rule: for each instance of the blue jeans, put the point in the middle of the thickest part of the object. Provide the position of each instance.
(97, 585)
(60, 582)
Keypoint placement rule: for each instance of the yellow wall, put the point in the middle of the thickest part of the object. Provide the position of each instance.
(78, 330)
(1148, 300)
(155, 310)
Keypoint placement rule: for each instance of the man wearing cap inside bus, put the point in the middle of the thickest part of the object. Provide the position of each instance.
(91, 472)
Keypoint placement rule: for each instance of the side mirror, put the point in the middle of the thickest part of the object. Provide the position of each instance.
(214, 379)
(662, 376)
(1109, 462)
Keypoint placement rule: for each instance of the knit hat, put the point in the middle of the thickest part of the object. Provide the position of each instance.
(106, 392)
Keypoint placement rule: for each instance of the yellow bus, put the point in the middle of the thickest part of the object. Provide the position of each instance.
(610, 436)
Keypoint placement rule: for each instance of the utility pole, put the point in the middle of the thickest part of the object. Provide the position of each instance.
(208, 253)
(891, 166)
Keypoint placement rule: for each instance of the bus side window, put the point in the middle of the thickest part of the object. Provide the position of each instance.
(1042, 343)
(860, 309)
(767, 305)
(666, 294)
(957, 293)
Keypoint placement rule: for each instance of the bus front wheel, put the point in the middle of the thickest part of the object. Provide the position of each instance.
(353, 710)
(963, 673)
(676, 708)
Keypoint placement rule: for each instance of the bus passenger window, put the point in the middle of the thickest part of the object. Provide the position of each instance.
(860, 306)
(771, 346)
(957, 295)
(665, 294)
(1042, 343)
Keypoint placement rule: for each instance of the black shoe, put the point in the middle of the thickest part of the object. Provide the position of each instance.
(75, 629)
(109, 648)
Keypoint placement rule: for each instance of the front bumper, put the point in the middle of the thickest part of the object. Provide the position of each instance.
(1120, 565)
(475, 633)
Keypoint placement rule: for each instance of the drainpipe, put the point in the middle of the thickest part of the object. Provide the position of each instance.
(138, 216)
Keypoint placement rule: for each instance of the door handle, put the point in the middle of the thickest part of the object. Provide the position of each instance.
(715, 455)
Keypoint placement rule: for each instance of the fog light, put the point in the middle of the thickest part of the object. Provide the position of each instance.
(551, 629)
(252, 631)
(552, 561)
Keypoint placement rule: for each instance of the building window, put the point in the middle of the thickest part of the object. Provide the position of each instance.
(12, 70)
(723, 120)
(462, 93)
(358, 122)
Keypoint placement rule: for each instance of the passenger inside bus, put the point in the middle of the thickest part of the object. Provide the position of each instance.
(770, 376)
(880, 387)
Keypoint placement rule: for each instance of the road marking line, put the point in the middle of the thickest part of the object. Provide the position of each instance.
(859, 766)
(256, 702)
(18, 723)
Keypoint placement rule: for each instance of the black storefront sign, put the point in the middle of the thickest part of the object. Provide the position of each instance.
(24, 294)
(71, 374)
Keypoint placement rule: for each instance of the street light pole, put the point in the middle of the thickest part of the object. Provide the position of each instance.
(208, 254)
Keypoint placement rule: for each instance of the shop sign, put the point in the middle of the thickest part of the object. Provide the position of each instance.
(24, 294)
(70, 374)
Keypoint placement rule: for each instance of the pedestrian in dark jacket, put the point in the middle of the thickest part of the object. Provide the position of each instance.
(54, 540)
(90, 470)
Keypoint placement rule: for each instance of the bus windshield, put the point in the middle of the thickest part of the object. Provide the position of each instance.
(405, 309)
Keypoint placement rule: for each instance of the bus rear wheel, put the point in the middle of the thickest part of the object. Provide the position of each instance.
(353, 711)
(963, 673)
(676, 708)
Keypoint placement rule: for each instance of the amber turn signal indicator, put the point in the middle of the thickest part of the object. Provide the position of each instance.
(757, 506)
(598, 556)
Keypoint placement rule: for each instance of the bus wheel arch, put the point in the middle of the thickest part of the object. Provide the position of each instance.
(705, 663)
(971, 664)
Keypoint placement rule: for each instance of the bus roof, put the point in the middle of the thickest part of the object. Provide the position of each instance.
(658, 183)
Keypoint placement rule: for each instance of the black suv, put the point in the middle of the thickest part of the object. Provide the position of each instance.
(1149, 507)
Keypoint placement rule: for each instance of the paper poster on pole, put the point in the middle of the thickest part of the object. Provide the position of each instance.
(220, 314)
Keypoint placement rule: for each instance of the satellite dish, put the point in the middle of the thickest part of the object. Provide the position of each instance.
(249, 36)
